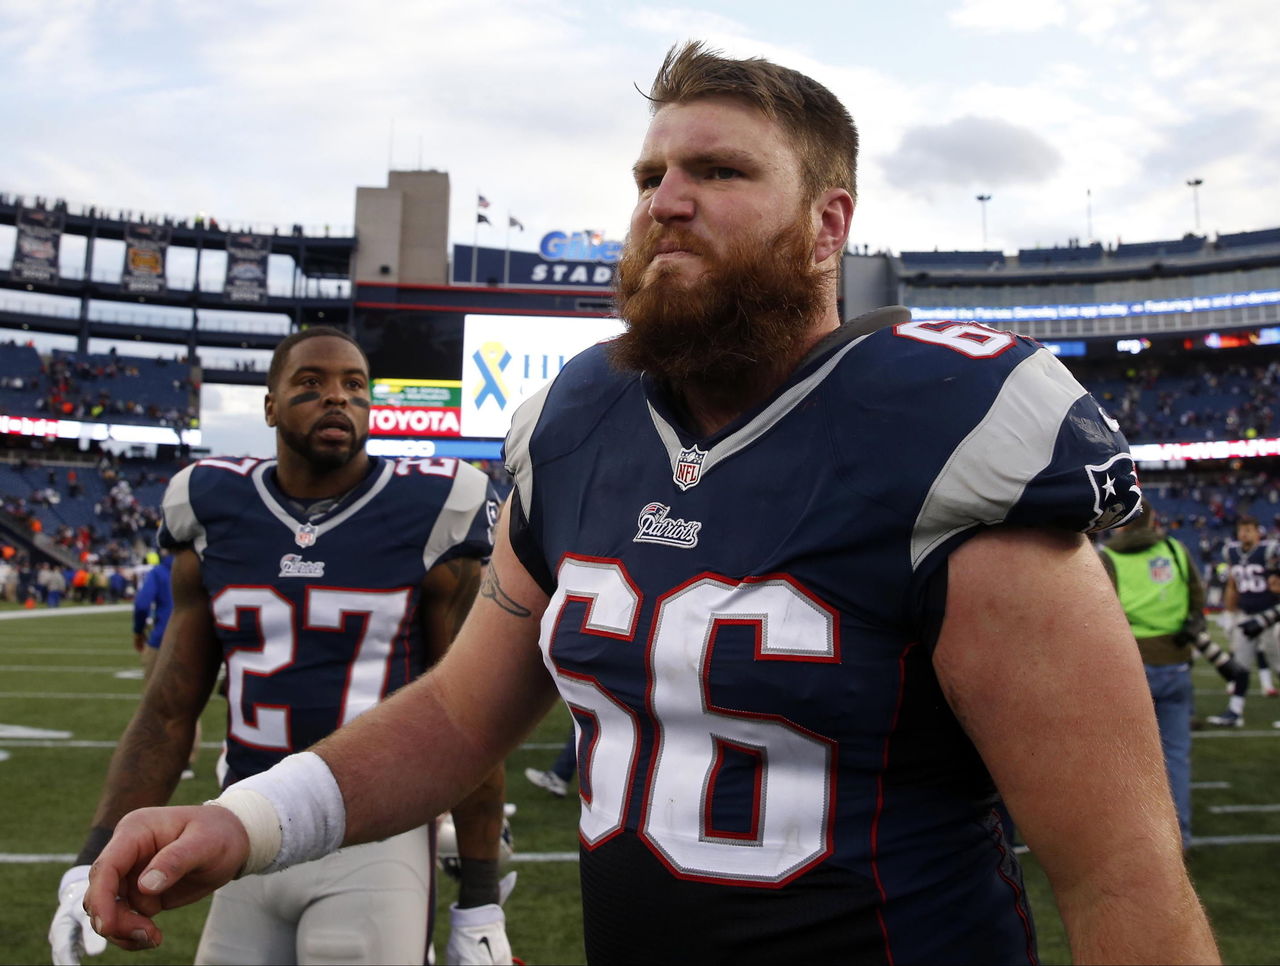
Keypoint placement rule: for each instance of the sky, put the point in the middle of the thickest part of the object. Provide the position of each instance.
(1082, 119)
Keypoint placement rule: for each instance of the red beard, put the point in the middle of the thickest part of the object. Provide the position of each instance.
(728, 331)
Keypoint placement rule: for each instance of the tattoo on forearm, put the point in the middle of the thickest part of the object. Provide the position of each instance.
(492, 588)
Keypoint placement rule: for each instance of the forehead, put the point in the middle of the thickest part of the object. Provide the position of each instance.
(717, 125)
(324, 353)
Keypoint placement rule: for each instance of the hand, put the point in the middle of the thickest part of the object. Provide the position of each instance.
(70, 935)
(139, 642)
(477, 936)
(160, 858)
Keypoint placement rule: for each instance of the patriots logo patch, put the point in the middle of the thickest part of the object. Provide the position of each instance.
(1116, 494)
(689, 467)
(656, 525)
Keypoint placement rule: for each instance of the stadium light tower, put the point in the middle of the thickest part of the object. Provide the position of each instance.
(1194, 184)
(982, 201)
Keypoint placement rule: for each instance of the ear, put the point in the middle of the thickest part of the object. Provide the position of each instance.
(832, 218)
(269, 408)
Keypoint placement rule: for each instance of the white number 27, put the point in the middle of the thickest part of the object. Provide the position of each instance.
(267, 726)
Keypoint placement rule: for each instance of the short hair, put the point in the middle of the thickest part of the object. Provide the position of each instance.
(286, 345)
(826, 137)
(1244, 520)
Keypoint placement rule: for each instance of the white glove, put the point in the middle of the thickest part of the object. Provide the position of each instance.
(505, 886)
(70, 935)
(477, 936)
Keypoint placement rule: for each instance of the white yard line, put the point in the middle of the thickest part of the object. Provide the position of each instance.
(1200, 841)
(1234, 733)
(33, 858)
(108, 650)
(69, 696)
(47, 669)
(85, 743)
(14, 615)
(1242, 809)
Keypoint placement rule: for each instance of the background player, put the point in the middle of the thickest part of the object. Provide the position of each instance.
(1250, 561)
(152, 606)
(323, 580)
(1163, 598)
(765, 554)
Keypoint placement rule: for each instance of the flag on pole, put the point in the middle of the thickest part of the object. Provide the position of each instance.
(513, 222)
(482, 201)
(482, 220)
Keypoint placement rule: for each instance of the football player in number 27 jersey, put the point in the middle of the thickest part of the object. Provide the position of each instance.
(322, 581)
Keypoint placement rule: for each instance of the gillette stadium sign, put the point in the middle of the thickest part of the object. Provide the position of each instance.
(580, 259)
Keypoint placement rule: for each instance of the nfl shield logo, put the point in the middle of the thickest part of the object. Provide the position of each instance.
(689, 467)
(305, 536)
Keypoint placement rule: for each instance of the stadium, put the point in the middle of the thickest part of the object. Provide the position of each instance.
(112, 320)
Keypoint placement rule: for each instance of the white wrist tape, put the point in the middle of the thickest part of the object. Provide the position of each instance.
(258, 816)
(292, 813)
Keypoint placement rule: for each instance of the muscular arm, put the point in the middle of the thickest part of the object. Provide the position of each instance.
(448, 594)
(151, 754)
(442, 735)
(1038, 663)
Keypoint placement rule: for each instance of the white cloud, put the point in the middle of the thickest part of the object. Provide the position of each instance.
(971, 152)
(273, 111)
(1008, 16)
(231, 422)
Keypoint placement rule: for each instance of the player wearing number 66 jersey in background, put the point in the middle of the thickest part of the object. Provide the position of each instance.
(1251, 563)
(815, 593)
(322, 581)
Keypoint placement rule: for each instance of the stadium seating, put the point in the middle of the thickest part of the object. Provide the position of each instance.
(1048, 257)
(1249, 239)
(927, 261)
(100, 387)
(1188, 245)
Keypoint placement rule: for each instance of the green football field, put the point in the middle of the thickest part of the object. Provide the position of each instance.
(73, 677)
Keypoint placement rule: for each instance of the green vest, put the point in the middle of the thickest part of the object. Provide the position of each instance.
(1152, 585)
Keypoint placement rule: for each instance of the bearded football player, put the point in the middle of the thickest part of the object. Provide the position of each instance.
(818, 596)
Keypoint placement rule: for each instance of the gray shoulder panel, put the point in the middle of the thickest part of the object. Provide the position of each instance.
(179, 516)
(988, 472)
(516, 449)
(466, 499)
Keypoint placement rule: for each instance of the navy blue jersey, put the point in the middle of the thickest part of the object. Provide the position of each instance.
(317, 617)
(740, 626)
(1249, 570)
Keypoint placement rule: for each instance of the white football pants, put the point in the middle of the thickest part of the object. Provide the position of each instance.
(366, 904)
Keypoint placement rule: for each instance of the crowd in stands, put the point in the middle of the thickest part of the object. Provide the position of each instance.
(1223, 401)
(1077, 252)
(104, 515)
(1200, 507)
(101, 387)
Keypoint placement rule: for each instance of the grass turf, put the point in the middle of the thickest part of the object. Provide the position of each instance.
(77, 673)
